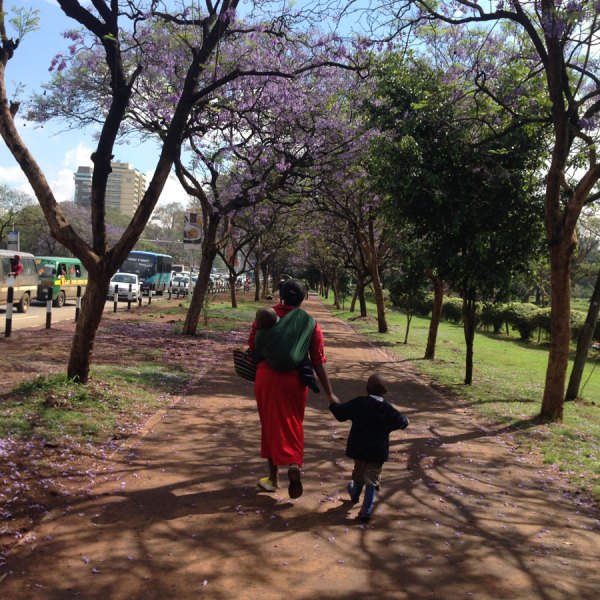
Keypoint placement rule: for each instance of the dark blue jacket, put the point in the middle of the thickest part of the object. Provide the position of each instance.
(372, 421)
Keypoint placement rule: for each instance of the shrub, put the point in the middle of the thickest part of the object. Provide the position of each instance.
(521, 316)
(541, 320)
(424, 305)
(493, 315)
(577, 322)
(452, 310)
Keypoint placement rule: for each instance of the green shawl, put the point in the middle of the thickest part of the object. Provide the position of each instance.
(286, 344)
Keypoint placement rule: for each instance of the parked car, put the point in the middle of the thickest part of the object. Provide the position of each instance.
(180, 284)
(122, 281)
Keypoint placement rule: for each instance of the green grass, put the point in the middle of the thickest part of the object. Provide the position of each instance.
(580, 304)
(220, 316)
(508, 384)
(55, 409)
(52, 408)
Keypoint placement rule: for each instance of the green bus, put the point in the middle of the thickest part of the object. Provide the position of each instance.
(24, 285)
(63, 275)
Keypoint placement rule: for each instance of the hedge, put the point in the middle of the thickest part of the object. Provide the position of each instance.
(524, 317)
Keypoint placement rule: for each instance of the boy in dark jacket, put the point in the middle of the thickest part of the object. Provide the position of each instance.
(369, 441)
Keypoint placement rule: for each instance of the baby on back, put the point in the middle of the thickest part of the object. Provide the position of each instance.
(265, 318)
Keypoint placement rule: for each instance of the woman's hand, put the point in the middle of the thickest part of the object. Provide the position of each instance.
(333, 399)
(324, 379)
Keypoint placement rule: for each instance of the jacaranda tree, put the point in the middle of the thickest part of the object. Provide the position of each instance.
(105, 81)
(251, 138)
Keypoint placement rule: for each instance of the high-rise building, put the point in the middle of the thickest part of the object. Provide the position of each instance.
(124, 190)
(83, 186)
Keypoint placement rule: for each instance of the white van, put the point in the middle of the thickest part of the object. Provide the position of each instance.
(24, 285)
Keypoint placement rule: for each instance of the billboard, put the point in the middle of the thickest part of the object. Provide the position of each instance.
(192, 229)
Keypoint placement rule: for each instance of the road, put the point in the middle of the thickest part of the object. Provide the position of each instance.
(36, 315)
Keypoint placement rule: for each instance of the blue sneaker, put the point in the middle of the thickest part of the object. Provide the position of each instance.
(366, 510)
(354, 490)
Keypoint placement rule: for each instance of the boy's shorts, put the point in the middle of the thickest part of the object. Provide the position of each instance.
(367, 472)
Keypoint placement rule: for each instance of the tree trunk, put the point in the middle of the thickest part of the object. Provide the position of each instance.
(368, 247)
(335, 286)
(436, 314)
(209, 252)
(409, 316)
(584, 342)
(362, 301)
(257, 280)
(232, 291)
(469, 329)
(353, 301)
(232, 280)
(82, 346)
(560, 333)
(382, 326)
(265, 280)
(359, 294)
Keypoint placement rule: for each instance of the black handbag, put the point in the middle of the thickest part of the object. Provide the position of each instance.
(244, 364)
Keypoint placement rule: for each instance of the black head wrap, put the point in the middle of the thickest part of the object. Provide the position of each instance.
(292, 292)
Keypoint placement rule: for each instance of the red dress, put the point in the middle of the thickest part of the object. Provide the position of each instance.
(281, 401)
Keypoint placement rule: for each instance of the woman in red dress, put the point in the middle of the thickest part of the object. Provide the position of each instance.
(281, 400)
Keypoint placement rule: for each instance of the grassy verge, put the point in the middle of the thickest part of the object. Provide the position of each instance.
(218, 315)
(508, 383)
(53, 409)
(121, 392)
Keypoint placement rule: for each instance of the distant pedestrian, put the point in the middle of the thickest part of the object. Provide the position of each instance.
(369, 441)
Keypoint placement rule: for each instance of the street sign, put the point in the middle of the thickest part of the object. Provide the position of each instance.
(192, 230)
(13, 241)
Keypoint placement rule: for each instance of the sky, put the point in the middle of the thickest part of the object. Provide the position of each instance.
(57, 152)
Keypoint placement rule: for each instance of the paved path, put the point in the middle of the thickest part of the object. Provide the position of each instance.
(461, 515)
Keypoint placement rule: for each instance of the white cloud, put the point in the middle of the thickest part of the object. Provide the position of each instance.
(14, 178)
(79, 156)
(62, 184)
(172, 192)
(12, 175)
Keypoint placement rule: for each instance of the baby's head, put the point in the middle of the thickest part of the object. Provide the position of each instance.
(376, 385)
(265, 318)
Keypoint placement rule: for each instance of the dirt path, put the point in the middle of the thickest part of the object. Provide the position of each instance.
(461, 515)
